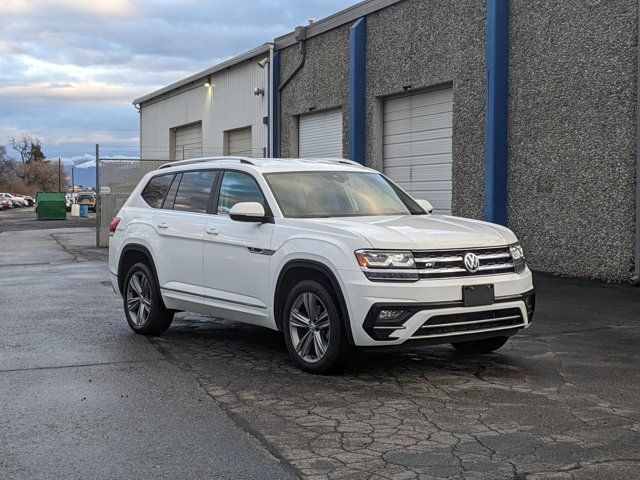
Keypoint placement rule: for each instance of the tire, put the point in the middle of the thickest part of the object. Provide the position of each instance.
(476, 347)
(327, 329)
(150, 317)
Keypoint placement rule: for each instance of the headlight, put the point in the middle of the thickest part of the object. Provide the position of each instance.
(517, 253)
(383, 265)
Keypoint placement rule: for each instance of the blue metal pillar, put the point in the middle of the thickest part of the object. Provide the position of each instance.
(275, 114)
(496, 144)
(357, 89)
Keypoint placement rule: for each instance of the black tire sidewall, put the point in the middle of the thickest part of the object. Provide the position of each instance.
(157, 316)
(337, 350)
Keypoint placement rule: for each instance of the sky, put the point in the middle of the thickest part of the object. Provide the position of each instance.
(69, 69)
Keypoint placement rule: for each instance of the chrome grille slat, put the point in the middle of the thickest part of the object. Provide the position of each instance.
(469, 322)
(455, 324)
(450, 263)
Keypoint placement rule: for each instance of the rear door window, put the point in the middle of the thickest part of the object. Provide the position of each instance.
(194, 191)
(156, 190)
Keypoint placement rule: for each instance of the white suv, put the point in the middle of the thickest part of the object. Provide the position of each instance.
(333, 254)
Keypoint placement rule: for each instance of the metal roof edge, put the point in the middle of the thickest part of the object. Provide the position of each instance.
(337, 19)
(265, 47)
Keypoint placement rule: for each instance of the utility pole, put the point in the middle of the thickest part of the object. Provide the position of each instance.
(73, 183)
(59, 177)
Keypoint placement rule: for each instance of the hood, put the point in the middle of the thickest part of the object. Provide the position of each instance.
(424, 232)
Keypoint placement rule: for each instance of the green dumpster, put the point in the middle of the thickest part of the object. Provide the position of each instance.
(51, 206)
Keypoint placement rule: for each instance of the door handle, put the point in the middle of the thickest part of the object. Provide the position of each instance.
(163, 225)
(212, 231)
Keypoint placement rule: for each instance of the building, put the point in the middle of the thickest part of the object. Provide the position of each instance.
(220, 111)
(520, 112)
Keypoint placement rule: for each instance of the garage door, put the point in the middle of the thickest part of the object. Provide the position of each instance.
(188, 142)
(320, 135)
(239, 142)
(417, 145)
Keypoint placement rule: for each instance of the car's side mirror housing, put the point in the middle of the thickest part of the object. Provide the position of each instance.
(426, 206)
(248, 212)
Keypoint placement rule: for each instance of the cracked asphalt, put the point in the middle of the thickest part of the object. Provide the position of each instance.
(217, 399)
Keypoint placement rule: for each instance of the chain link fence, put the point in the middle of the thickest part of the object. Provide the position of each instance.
(117, 176)
(115, 180)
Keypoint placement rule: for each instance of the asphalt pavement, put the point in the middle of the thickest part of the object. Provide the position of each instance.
(83, 397)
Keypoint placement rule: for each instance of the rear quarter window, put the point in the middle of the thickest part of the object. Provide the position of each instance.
(156, 190)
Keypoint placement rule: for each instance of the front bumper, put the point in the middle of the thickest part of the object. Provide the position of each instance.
(425, 300)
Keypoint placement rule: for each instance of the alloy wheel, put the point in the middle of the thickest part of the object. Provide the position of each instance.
(309, 327)
(139, 298)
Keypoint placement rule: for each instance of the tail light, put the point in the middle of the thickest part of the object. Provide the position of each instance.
(113, 225)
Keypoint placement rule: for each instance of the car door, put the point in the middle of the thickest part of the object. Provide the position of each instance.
(236, 254)
(179, 226)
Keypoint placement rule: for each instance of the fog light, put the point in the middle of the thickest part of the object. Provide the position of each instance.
(386, 315)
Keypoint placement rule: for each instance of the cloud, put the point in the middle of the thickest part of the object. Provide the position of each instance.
(69, 69)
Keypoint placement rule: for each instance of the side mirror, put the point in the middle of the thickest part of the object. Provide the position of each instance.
(426, 206)
(248, 212)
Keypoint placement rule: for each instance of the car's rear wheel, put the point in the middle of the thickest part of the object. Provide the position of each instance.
(313, 328)
(143, 305)
(475, 347)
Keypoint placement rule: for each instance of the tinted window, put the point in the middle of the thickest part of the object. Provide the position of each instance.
(171, 196)
(154, 192)
(238, 187)
(194, 190)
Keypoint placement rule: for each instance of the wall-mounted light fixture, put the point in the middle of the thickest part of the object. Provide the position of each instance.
(207, 82)
(258, 91)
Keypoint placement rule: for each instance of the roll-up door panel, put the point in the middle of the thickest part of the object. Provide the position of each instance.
(417, 148)
(320, 135)
(239, 142)
(188, 142)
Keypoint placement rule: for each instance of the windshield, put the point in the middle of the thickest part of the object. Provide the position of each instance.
(339, 194)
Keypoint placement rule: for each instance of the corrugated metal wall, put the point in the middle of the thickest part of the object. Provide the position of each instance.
(228, 104)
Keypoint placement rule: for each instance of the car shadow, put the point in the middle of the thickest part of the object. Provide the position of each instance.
(199, 339)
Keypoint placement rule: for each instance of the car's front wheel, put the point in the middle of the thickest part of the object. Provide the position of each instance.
(313, 328)
(143, 305)
(475, 347)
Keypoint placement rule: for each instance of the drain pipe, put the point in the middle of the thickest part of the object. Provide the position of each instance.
(636, 274)
(300, 36)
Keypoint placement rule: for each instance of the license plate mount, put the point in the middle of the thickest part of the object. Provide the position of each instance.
(478, 295)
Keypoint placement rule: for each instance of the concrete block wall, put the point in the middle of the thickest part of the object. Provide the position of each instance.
(572, 124)
(572, 73)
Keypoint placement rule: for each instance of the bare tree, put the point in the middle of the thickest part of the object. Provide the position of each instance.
(34, 174)
(7, 167)
(29, 148)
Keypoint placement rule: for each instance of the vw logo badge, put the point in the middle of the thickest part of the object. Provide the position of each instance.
(471, 262)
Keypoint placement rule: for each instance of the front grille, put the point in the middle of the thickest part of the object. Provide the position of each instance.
(450, 263)
(469, 322)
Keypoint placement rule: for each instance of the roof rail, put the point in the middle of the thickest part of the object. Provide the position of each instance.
(344, 161)
(189, 161)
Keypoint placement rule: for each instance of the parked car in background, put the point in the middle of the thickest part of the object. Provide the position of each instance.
(87, 199)
(332, 254)
(21, 199)
(5, 204)
(30, 200)
(16, 202)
